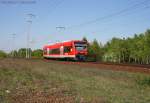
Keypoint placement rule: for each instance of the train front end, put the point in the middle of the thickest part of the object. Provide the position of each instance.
(80, 50)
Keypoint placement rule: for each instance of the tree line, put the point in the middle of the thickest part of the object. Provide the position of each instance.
(122, 50)
(21, 53)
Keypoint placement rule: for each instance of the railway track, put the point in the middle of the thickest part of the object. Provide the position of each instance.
(109, 66)
(125, 64)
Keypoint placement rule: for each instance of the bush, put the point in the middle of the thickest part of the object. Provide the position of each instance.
(2, 54)
(37, 53)
(144, 81)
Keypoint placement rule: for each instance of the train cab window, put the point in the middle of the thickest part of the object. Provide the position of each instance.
(67, 49)
(79, 48)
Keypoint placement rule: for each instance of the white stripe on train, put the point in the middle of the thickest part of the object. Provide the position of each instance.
(59, 56)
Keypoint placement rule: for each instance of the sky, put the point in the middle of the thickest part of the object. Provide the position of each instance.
(93, 19)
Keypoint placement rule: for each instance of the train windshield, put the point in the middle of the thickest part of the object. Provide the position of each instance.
(80, 46)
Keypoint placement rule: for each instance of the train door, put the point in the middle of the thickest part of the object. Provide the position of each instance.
(62, 50)
(67, 50)
(47, 51)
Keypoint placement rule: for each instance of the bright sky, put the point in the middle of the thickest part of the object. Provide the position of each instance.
(100, 19)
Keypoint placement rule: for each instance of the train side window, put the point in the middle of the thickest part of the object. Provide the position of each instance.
(54, 51)
(50, 51)
(67, 49)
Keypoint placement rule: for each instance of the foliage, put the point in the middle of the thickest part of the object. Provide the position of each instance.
(143, 81)
(13, 53)
(85, 39)
(22, 52)
(2, 54)
(37, 53)
(122, 50)
(130, 50)
(95, 50)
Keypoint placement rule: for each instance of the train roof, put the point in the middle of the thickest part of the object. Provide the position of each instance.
(59, 43)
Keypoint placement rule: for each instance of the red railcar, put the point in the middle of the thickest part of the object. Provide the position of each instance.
(74, 49)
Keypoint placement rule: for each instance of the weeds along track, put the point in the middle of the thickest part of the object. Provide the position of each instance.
(125, 64)
(109, 66)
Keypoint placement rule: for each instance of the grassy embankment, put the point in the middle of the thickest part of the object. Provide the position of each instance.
(23, 81)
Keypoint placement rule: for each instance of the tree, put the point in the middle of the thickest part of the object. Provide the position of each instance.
(3, 54)
(37, 53)
(147, 46)
(13, 53)
(85, 39)
(113, 50)
(22, 52)
(95, 49)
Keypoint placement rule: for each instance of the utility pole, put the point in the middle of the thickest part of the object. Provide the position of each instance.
(29, 21)
(13, 44)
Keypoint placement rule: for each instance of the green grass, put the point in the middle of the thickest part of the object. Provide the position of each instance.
(85, 84)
